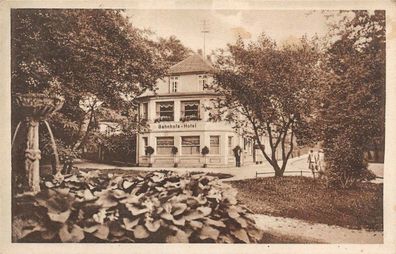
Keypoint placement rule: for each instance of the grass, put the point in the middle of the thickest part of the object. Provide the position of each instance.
(303, 198)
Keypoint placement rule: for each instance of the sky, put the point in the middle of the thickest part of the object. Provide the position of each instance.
(225, 25)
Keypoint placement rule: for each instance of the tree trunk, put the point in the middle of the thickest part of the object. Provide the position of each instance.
(278, 171)
(80, 144)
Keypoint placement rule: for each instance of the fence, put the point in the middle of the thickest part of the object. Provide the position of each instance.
(299, 171)
(296, 171)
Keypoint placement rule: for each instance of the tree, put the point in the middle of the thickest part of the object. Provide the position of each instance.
(266, 91)
(353, 99)
(172, 50)
(90, 57)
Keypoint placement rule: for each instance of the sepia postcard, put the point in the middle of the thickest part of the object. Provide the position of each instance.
(198, 126)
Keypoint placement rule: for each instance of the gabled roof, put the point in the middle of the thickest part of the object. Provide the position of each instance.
(191, 64)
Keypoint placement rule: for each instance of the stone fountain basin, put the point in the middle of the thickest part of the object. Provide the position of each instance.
(38, 105)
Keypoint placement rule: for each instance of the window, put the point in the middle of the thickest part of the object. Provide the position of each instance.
(145, 144)
(164, 145)
(190, 145)
(202, 80)
(215, 144)
(190, 110)
(144, 111)
(164, 111)
(173, 84)
(230, 152)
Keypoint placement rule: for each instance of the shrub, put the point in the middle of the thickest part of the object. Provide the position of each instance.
(345, 164)
(205, 150)
(158, 207)
(149, 151)
(119, 147)
(174, 151)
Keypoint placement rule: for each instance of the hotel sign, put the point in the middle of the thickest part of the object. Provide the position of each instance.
(177, 126)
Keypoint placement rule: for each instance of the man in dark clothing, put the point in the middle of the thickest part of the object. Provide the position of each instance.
(237, 154)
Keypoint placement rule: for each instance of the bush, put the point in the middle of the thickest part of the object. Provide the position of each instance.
(174, 150)
(149, 150)
(159, 207)
(120, 147)
(205, 150)
(345, 164)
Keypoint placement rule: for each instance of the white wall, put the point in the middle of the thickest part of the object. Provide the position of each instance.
(186, 83)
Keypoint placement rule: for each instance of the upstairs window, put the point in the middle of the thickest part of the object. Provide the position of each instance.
(203, 81)
(190, 110)
(144, 115)
(174, 82)
(165, 111)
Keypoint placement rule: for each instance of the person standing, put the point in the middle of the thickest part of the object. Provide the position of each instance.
(237, 153)
(311, 162)
(319, 158)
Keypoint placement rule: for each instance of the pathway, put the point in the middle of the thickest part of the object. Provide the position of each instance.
(241, 173)
(316, 232)
(247, 172)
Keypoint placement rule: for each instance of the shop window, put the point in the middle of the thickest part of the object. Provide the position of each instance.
(190, 111)
(230, 141)
(165, 111)
(164, 145)
(174, 82)
(190, 145)
(215, 144)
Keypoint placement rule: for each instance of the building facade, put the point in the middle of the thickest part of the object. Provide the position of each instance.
(176, 117)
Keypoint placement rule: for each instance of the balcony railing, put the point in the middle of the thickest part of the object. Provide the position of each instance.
(189, 118)
(163, 119)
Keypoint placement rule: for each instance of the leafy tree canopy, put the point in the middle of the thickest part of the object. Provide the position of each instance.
(353, 100)
(93, 57)
(268, 91)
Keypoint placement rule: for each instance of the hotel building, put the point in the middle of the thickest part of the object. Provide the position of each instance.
(176, 116)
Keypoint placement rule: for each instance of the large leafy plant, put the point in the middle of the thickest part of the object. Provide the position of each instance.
(158, 207)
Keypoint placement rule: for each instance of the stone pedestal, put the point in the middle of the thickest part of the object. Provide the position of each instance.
(35, 108)
(32, 156)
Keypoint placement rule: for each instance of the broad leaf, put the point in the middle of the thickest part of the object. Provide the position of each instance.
(209, 232)
(140, 232)
(179, 237)
(74, 236)
(59, 217)
(130, 224)
(153, 226)
(241, 235)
